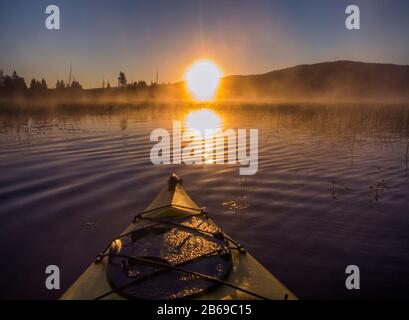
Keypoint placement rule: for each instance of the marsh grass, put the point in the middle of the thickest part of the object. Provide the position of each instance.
(352, 122)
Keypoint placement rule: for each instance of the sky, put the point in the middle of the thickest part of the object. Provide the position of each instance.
(102, 37)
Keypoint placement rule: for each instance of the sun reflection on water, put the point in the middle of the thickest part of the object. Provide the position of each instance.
(204, 126)
(202, 120)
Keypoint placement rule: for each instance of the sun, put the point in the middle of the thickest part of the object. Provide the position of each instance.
(202, 80)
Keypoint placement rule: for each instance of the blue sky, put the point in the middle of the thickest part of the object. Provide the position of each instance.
(102, 37)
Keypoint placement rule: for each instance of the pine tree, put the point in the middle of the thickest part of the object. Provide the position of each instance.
(33, 84)
(122, 82)
(44, 84)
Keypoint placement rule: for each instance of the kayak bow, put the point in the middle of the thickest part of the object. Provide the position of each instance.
(174, 250)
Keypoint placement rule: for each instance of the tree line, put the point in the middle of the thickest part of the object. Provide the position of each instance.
(75, 85)
(141, 84)
(12, 84)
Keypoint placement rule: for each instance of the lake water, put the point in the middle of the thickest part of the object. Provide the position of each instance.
(332, 190)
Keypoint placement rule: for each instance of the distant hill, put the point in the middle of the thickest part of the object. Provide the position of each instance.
(329, 81)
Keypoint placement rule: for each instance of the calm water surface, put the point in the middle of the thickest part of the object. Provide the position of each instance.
(331, 191)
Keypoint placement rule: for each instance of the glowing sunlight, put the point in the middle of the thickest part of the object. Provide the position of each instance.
(202, 79)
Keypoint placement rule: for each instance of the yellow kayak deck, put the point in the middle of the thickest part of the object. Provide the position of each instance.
(246, 273)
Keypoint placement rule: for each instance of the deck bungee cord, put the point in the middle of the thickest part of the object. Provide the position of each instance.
(177, 267)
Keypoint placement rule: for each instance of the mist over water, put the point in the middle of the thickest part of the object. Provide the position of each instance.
(331, 190)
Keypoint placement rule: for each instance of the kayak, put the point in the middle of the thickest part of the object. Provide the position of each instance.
(173, 250)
